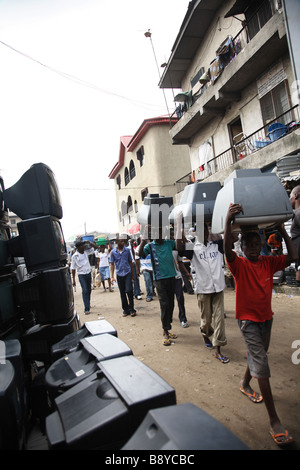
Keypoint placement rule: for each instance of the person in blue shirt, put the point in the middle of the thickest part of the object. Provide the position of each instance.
(121, 262)
(164, 273)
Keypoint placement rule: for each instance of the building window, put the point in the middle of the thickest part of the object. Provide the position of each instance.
(123, 208)
(257, 15)
(140, 154)
(126, 176)
(119, 181)
(131, 169)
(144, 193)
(275, 103)
(129, 205)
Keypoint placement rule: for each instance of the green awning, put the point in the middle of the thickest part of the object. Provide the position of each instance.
(183, 96)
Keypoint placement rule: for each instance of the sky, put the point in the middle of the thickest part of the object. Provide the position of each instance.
(76, 75)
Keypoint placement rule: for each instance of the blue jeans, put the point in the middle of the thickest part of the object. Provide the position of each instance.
(86, 286)
(126, 292)
(148, 283)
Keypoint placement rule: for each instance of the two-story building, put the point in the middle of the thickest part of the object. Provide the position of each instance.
(239, 106)
(148, 163)
(13, 223)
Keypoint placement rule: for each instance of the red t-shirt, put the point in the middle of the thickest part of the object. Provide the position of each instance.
(254, 285)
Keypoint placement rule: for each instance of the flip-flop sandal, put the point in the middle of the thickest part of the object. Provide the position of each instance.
(223, 359)
(254, 397)
(282, 439)
(133, 314)
(173, 336)
(209, 345)
(166, 342)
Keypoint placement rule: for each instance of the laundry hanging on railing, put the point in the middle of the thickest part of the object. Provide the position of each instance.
(225, 53)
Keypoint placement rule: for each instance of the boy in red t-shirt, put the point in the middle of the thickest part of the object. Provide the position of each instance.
(254, 283)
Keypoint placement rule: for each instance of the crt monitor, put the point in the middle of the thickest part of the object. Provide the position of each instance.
(8, 307)
(35, 194)
(11, 435)
(49, 294)
(41, 242)
(3, 208)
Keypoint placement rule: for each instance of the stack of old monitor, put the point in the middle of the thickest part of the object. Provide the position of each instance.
(96, 374)
(103, 410)
(36, 302)
(105, 398)
(13, 396)
(8, 308)
(44, 296)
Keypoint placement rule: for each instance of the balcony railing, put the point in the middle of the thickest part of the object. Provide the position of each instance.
(229, 50)
(246, 145)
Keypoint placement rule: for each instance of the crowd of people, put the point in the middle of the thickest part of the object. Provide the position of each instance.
(161, 262)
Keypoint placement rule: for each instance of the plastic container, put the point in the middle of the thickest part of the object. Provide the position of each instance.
(276, 131)
(261, 143)
(101, 241)
(88, 238)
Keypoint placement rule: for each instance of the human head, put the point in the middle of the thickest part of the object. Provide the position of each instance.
(251, 245)
(125, 237)
(295, 197)
(121, 242)
(79, 246)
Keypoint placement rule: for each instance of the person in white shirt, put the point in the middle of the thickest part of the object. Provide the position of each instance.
(80, 263)
(104, 271)
(147, 271)
(207, 263)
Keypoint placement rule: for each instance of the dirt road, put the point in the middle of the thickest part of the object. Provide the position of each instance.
(200, 378)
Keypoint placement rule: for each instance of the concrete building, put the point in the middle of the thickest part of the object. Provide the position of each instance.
(13, 223)
(148, 163)
(239, 106)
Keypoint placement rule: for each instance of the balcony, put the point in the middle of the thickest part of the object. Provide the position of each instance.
(278, 138)
(257, 55)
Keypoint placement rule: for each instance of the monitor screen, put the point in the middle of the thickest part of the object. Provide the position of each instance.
(35, 194)
(48, 294)
(41, 243)
(11, 432)
(3, 208)
(8, 307)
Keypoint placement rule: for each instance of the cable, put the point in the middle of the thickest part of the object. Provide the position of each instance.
(113, 189)
(79, 81)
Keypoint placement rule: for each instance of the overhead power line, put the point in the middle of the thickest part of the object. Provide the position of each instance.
(113, 189)
(79, 81)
